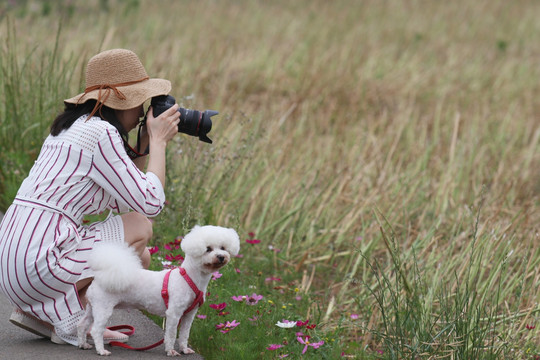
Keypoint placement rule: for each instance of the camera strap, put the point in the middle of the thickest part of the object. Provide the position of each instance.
(132, 153)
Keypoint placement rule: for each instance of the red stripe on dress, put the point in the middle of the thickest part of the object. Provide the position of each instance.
(53, 180)
(14, 263)
(38, 183)
(47, 230)
(35, 267)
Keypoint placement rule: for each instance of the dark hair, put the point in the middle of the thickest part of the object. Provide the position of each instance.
(72, 112)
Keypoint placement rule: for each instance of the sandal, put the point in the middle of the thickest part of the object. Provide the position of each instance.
(30, 323)
(119, 336)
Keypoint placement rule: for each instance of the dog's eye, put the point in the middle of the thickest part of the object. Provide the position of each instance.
(208, 249)
(223, 248)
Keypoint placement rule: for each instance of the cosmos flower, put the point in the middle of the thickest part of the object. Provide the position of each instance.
(216, 275)
(286, 324)
(218, 307)
(239, 298)
(228, 326)
(253, 299)
(153, 250)
(307, 344)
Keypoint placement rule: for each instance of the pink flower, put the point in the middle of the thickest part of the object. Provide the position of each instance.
(250, 300)
(354, 316)
(228, 326)
(307, 344)
(272, 278)
(233, 324)
(218, 307)
(253, 299)
(177, 258)
(239, 298)
(252, 239)
(530, 327)
(153, 250)
(174, 245)
(216, 275)
(201, 316)
(305, 323)
(274, 347)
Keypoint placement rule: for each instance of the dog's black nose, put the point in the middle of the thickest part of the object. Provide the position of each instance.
(221, 258)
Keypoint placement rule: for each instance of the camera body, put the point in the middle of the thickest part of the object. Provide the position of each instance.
(192, 122)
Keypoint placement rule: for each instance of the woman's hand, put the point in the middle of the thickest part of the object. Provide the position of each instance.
(164, 127)
(161, 130)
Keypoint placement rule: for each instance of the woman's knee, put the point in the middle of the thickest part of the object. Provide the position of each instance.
(137, 228)
(147, 230)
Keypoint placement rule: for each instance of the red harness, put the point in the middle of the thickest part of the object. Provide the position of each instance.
(198, 301)
(199, 296)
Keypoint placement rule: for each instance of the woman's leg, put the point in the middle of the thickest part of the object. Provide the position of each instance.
(82, 286)
(137, 233)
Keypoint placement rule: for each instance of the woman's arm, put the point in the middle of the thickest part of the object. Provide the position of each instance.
(117, 174)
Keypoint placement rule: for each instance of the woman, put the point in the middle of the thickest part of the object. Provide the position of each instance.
(83, 168)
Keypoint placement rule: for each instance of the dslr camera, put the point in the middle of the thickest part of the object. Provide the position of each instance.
(192, 122)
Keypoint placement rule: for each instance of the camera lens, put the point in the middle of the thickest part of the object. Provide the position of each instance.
(192, 122)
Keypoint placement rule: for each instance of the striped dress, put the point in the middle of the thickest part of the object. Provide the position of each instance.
(43, 244)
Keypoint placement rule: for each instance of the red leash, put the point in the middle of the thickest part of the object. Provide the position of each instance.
(199, 300)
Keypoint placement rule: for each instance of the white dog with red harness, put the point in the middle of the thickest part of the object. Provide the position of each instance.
(121, 281)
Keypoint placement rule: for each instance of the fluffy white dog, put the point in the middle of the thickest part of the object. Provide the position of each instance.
(121, 281)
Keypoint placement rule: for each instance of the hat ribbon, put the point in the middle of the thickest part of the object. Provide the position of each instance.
(108, 87)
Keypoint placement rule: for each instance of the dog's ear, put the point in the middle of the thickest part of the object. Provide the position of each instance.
(192, 243)
(234, 242)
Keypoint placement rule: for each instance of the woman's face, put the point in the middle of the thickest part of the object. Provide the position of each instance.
(130, 118)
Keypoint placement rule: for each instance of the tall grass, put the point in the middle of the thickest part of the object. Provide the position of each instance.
(32, 87)
(390, 150)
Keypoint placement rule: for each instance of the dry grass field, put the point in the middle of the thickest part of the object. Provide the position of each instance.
(389, 149)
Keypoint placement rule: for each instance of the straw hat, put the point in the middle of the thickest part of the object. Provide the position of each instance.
(117, 79)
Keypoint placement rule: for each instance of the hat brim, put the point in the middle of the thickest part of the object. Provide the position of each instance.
(135, 94)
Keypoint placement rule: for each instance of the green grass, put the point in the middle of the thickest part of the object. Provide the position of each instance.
(389, 150)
